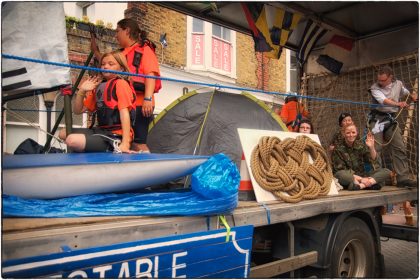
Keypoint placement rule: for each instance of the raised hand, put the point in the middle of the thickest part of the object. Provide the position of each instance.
(90, 83)
(370, 140)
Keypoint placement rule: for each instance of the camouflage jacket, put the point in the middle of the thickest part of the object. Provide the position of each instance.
(352, 158)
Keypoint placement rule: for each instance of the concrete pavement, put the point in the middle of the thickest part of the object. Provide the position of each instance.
(401, 257)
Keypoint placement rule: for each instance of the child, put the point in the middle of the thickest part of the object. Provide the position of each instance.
(114, 103)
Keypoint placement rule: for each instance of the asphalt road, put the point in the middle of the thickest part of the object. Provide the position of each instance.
(401, 257)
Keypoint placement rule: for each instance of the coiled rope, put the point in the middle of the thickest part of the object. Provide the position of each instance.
(284, 168)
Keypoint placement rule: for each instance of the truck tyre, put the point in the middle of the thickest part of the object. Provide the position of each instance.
(353, 255)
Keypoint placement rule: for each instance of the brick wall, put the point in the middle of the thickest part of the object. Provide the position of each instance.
(156, 20)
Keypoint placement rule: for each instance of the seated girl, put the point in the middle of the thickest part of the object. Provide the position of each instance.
(113, 100)
(350, 158)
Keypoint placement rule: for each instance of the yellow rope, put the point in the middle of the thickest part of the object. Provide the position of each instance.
(283, 168)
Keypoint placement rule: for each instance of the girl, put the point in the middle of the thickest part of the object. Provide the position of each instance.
(305, 126)
(349, 159)
(141, 59)
(113, 101)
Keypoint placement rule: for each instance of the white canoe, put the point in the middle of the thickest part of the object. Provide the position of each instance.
(48, 176)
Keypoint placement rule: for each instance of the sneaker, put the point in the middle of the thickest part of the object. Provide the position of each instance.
(407, 183)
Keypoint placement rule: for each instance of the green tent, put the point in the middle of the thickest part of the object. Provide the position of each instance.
(206, 123)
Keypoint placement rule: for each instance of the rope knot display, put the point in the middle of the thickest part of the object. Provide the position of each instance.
(284, 168)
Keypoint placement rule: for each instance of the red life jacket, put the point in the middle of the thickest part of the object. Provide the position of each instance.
(134, 62)
(107, 112)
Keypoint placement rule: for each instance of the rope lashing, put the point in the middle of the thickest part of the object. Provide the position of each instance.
(283, 168)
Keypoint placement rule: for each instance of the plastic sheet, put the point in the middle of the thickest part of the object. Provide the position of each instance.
(214, 191)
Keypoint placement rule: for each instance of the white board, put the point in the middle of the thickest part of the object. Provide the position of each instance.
(249, 139)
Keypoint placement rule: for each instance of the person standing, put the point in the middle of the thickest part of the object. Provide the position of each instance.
(292, 113)
(141, 59)
(388, 91)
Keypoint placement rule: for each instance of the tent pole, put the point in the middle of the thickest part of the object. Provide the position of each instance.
(197, 144)
(67, 104)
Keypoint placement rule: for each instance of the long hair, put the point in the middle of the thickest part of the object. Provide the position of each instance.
(135, 31)
(122, 61)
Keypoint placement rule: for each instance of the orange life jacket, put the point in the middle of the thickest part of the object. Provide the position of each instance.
(107, 112)
(134, 61)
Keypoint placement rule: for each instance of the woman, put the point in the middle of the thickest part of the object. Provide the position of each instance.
(305, 126)
(343, 120)
(350, 159)
(141, 59)
(113, 100)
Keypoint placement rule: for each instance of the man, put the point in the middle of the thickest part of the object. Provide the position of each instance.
(387, 91)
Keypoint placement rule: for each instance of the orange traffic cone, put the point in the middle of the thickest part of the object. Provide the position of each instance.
(246, 192)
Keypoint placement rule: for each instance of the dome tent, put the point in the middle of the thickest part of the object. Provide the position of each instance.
(206, 123)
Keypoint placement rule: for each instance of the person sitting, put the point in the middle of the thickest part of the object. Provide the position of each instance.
(305, 126)
(113, 100)
(349, 159)
(343, 120)
(292, 113)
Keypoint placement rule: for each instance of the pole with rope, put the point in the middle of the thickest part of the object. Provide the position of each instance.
(67, 107)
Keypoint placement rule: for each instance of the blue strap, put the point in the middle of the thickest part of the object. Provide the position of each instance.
(267, 211)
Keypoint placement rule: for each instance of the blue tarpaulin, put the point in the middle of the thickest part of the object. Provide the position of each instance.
(214, 190)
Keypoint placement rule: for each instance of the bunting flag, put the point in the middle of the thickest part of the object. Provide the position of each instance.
(312, 33)
(270, 26)
(336, 53)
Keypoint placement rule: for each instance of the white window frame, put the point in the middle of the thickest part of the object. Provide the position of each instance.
(207, 66)
(288, 70)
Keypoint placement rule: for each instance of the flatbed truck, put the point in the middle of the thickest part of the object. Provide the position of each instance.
(332, 236)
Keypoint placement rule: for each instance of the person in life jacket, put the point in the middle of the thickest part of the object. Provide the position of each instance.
(292, 113)
(112, 98)
(141, 59)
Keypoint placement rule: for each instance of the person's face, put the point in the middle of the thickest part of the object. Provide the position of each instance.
(122, 36)
(110, 63)
(384, 80)
(350, 134)
(346, 121)
(305, 128)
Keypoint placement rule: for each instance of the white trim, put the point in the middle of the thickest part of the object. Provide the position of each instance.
(287, 70)
(207, 69)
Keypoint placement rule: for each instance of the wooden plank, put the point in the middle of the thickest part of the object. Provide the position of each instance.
(275, 268)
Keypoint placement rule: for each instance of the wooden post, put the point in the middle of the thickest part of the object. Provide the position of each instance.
(409, 119)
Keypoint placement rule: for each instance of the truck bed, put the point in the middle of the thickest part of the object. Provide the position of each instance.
(24, 237)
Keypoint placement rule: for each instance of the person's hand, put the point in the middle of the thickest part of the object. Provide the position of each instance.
(402, 104)
(147, 108)
(414, 96)
(93, 45)
(357, 179)
(90, 83)
(125, 148)
(370, 140)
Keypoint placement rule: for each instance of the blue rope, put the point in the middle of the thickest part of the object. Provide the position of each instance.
(268, 212)
(217, 86)
(32, 110)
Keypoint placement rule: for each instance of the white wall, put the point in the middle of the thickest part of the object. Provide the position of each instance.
(106, 11)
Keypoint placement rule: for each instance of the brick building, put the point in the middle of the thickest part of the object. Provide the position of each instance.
(197, 51)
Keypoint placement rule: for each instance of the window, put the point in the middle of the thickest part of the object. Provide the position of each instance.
(211, 48)
(292, 72)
